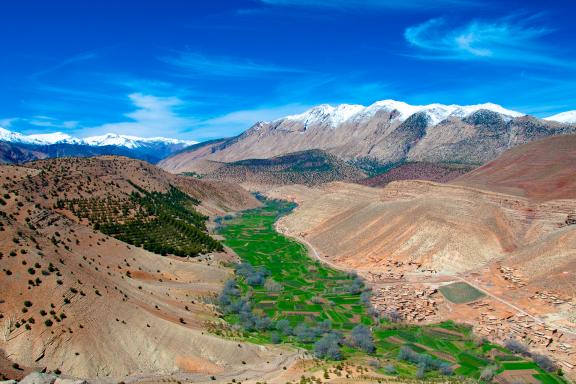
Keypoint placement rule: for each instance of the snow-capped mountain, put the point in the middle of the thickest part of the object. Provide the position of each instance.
(342, 113)
(384, 133)
(568, 117)
(16, 147)
(107, 139)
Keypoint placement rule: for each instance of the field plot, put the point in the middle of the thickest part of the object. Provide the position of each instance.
(280, 287)
(460, 293)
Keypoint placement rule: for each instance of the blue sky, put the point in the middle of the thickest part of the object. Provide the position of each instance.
(206, 69)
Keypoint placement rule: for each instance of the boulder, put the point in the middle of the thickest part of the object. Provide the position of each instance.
(39, 378)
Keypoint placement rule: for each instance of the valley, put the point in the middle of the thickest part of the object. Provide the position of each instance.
(300, 301)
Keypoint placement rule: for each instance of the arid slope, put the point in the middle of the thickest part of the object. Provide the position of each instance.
(76, 300)
(544, 169)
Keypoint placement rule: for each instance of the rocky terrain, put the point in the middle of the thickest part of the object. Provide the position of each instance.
(77, 301)
(384, 133)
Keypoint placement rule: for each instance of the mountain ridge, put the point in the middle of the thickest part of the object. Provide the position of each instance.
(387, 132)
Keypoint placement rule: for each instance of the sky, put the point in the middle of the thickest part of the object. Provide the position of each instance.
(207, 69)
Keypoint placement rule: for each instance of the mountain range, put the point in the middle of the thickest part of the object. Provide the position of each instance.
(16, 147)
(384, 133)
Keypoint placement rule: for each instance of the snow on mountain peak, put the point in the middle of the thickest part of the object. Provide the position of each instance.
(568, 117)
(437, 112)
(106, 139)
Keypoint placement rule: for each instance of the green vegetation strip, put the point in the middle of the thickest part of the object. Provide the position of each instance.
(281, 295)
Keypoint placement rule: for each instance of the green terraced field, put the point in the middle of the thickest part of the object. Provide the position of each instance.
(309, 288)
(312, 293)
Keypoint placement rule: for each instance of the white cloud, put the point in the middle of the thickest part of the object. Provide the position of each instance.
(237, 121)
(197, 63)
(153, 116)
(508, 39)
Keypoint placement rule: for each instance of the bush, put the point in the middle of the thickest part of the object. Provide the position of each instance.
(254, 277)
(361, 338)
(272, 286)
(275, 338)
(488, 373)
(356, 287)
(516, 346)
(390, 369)
(393, 316)
(283, 326)
(544, 362)
(304, 333)
(328, 347)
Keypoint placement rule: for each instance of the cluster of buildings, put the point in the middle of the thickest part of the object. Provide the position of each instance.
(511, 276)
(410, 303)
(503, 325)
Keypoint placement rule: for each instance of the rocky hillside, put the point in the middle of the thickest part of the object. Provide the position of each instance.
(311, 167)
(384, 133)
(440, 172)
(75, 300)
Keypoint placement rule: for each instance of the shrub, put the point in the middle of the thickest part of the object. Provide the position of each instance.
(361, 338)
(516, 346)
(328, 347)
(544, 362)
(275, 338)
(390, 369)
(283, 326)
(488, 373)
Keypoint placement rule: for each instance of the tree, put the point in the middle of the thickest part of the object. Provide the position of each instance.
(275, 338)
(361, 338)
(328, 347)
(283, 326)
(544, 362)
(488, 373)
(516, 346)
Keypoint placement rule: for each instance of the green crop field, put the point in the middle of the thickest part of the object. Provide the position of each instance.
(460, 293)
(278, 282)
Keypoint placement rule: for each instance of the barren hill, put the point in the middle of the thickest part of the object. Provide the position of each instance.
(311, 167)
(77, 300)
(441, 173)
(545, 169)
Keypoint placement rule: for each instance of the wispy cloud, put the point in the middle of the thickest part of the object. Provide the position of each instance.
(348, 5)
(235, 122)
(509, 39)
(194, 63)
(64, 63)
(153, 116)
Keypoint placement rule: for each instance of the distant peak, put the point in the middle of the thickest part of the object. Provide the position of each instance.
(568, 117)
(336, 115)
(113, 139)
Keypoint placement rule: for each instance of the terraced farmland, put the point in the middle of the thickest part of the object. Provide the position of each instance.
(279, 287)
(163, 223)
(309, 290)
